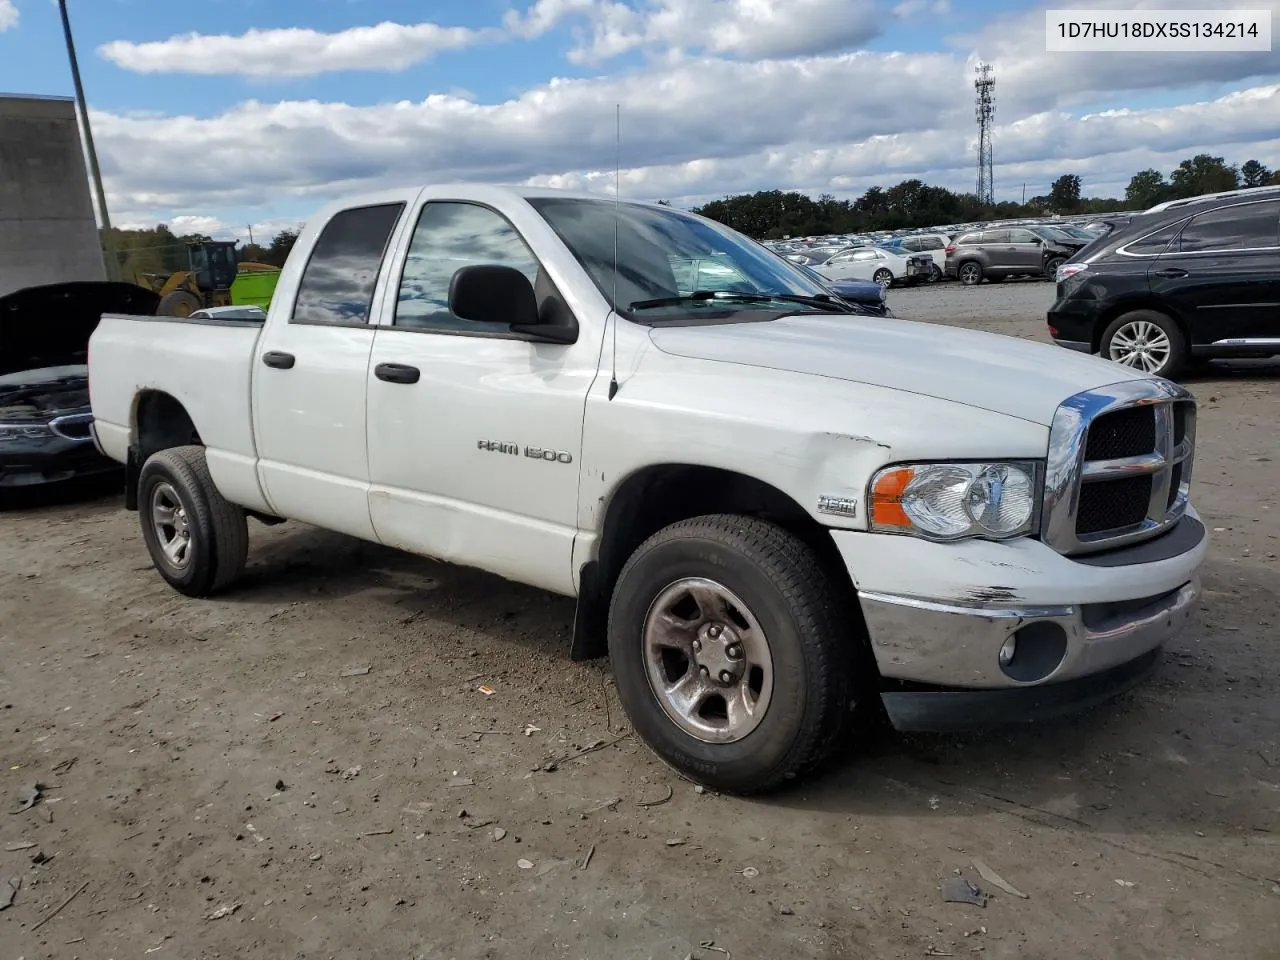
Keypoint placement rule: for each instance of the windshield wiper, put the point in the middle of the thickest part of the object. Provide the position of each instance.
(821, 301)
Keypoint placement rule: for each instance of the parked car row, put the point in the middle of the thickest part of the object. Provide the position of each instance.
(976, 252)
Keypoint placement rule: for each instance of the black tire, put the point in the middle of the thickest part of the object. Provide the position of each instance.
(1174, 362)
(1051, 267)
(791, 596)
(219, 536)
(883, 276)
(936, 275)
(970, 273)
(179, 303)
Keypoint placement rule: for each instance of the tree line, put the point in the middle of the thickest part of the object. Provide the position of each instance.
(774, 214)
(158, 250)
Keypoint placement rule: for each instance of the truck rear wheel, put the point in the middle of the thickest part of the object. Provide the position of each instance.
(197, 540)
(725, 640)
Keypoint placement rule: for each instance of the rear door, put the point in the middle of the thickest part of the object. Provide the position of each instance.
(999, 250)
(1222, 274)
(858, 264)
(311, 372)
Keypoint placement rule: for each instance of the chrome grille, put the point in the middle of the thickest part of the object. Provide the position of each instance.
(1119, 465)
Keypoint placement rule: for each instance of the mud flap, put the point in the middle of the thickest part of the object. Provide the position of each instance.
(131, 470)
(591, 618)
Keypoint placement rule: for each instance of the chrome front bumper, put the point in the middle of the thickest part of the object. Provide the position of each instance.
(955, 646)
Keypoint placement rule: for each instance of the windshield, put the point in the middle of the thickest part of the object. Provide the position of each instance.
(665, 257)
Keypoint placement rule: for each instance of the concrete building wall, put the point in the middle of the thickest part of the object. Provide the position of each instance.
(47, 228)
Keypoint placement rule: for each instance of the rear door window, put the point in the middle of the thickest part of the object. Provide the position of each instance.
(1154, 243)
(995, 236)
(338, 282)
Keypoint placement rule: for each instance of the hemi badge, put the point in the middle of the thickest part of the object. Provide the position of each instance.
(840, 506)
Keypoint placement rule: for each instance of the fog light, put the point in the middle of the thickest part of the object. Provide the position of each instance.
(1008, 650)
(1034, 652)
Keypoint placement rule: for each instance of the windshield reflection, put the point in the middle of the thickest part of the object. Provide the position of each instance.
(665, 255)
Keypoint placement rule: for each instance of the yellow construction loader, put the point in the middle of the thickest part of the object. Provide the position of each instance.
(214, 279)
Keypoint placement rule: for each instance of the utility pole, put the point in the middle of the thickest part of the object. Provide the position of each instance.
(251, 243)
(113, 264)
(1024, 194)
(984, 112)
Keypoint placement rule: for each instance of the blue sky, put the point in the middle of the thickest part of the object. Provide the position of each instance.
(220, 113)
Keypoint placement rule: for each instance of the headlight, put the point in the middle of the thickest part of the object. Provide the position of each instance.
(951, 501)
(13, 432)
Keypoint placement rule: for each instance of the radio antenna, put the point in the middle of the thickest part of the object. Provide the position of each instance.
(617, 191)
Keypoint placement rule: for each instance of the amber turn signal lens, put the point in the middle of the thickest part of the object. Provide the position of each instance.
(886, 498)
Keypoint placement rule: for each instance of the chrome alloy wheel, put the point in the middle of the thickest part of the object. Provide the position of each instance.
(707, 660)
(170, 524)
(1141, 345)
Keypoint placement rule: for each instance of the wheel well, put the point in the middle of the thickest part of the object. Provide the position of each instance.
(159, 422)
(659, 496)
(1119, 310)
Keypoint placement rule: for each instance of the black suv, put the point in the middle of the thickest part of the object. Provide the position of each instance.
(1196, 278)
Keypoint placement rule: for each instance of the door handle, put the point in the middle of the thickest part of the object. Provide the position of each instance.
(279, 359)
(397, 373)
(1172, 273)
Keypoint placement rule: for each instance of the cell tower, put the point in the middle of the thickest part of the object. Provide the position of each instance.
(984, 111)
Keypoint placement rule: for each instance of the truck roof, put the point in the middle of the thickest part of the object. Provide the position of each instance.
(463, 190)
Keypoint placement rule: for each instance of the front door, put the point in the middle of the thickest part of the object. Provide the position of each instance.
(1223, 273)
(475, 435)
(310, 377)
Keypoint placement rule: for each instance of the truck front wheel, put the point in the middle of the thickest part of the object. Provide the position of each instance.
(197, 540)
(726, 642)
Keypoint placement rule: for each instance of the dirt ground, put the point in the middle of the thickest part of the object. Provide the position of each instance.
(308, 768)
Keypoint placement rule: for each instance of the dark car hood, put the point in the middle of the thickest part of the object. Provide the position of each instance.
(41, 394)
(50, 326)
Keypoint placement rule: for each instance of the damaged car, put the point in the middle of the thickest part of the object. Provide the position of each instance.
(44, 378)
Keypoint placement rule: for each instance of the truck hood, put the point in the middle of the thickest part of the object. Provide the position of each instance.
(50, 326)
(1019, 378)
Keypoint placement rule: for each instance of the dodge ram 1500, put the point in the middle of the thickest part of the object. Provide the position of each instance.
(772, 512)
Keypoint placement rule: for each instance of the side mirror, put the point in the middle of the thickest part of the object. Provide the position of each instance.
(490, 293)
(1038, 242)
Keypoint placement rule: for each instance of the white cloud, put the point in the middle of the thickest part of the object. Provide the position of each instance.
(737, 28)
(8, 15)
(291, 52)
(816, 124)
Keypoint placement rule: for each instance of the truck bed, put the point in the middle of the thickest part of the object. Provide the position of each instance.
(203, 364)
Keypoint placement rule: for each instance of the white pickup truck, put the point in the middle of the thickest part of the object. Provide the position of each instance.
(771, 511)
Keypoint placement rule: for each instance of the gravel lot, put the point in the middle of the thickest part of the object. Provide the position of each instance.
(227, 779)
